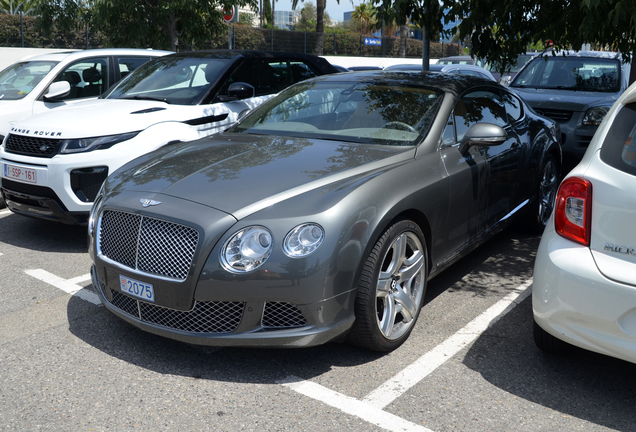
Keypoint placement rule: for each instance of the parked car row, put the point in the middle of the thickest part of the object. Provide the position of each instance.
(55, 162)
(265, 199)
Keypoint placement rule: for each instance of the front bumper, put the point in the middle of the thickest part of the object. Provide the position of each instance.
(236, 323)
(574, 302)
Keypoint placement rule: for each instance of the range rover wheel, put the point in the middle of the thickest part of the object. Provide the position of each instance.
(391, 289)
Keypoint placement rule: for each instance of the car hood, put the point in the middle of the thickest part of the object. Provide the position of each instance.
(565, 99)
(108, 117)
(240, 174)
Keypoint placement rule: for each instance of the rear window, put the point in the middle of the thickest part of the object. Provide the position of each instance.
(619, 147)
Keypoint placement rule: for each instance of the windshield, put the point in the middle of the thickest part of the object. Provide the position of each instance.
(571, 73)
(174, 80)
(19, 79)
(370, 113)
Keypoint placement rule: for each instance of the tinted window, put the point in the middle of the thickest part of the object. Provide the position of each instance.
(513, 107)
(176, 80)
(619, 147)
(129, 64)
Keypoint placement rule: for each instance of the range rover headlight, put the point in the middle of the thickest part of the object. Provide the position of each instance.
(303, 240)
(594, 116)
(247, 249)
(78, 145)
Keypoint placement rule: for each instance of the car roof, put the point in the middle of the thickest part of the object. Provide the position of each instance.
(594, 54)
(228, 53)
(61, 55)
(450, 83)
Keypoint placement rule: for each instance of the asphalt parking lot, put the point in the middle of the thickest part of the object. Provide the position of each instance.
(470, 364)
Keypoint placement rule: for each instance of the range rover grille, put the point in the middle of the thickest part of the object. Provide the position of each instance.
(146, 244)
(32, 146)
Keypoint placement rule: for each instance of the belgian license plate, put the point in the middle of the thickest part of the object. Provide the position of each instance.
(136, 288)
(20, 173)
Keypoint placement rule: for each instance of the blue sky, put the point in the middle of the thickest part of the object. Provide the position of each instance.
(335, 10)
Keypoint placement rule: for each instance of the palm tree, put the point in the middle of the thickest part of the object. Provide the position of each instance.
(320, 24)
(366, 16)
(13, 8)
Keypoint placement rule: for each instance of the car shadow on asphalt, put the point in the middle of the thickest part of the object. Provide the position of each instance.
(104, 331)
(582, 384)
(116, 338)
(42, 235)
(508, 256)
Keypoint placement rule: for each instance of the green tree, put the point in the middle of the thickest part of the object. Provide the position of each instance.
(307, 19)
(320, 23)
(501, 30)
(63, 15)
(162, 23)
(11, 7)
(365, 15)
(267, 12)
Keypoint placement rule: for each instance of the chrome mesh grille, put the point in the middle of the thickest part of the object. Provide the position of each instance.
(282, 315)
(205, 316)
(147, 244)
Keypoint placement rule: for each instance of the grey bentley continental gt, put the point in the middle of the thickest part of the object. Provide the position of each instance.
(323, 213)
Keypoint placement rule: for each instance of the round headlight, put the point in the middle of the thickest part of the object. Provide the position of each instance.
(247, 249)
(594, 116)
(303, 240)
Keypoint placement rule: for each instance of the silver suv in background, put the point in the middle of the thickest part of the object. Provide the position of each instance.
(575, 89)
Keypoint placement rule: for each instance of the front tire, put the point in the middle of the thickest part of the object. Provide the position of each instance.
(391, 289)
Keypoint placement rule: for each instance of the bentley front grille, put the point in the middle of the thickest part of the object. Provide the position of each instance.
(205, 316)
(146, 244)
(282, 315)
(31, 146)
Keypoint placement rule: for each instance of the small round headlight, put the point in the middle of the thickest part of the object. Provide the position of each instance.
(594, 116)
(303, 240)
(247, 249)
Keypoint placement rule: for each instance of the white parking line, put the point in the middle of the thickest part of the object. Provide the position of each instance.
(352, 406)
(370, 408)
(67, 285)
(4, 212)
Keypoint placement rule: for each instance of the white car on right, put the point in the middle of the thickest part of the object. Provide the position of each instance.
(584, 290)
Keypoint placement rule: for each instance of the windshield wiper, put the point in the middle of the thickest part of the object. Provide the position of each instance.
(150, 98)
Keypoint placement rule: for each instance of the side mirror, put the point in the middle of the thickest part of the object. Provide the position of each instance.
(57, 90)
(482, 134)
(240, 90)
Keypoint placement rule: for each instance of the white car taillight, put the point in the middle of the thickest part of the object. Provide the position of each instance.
(573, 211)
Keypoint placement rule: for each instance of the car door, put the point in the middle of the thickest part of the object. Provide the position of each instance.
(467, 173)
(483, 179)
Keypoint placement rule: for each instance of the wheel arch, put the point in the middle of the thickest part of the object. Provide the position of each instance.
(389, 219)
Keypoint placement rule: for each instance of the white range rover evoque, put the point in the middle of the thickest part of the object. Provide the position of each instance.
(53, 164)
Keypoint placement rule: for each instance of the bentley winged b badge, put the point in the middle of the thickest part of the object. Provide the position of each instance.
(148, 202)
